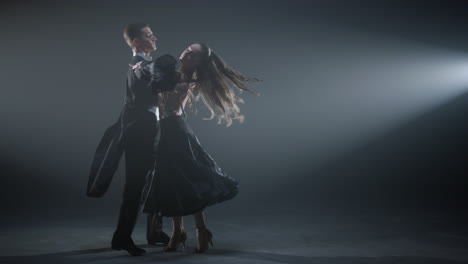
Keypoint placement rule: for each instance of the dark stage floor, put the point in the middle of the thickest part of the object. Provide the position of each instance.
(289, 235)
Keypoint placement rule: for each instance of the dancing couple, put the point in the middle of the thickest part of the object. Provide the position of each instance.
(173, 176)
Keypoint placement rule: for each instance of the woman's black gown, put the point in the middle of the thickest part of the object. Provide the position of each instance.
(185, 179)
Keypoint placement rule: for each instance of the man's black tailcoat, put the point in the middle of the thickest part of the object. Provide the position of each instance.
(144, 80)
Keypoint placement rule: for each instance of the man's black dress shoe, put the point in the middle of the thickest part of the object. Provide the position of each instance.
(160, 238)
(131, 248)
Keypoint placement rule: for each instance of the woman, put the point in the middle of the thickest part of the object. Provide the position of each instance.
(185, 178)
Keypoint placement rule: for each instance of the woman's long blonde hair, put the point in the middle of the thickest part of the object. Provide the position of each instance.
(216, 84)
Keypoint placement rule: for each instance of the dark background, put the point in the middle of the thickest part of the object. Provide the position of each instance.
(363, 103)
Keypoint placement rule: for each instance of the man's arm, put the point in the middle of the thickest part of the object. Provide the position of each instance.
(160, 74)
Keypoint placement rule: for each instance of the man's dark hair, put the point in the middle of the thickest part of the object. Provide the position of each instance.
(133, 31)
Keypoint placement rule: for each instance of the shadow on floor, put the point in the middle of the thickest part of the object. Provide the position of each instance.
(105, 255)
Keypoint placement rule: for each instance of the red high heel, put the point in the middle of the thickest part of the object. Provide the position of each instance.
(175, 242)
(204, 237)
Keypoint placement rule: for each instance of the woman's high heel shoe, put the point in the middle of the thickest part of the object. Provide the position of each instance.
(204, 237)
(175, 242)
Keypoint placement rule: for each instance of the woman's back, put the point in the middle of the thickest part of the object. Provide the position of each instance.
(173, 102)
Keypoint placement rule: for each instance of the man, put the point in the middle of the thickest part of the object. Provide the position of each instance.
(134, 134)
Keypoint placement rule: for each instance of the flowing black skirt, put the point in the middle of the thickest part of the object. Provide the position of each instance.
(185, 179)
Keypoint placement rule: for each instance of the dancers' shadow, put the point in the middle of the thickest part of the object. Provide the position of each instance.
(106, 255)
